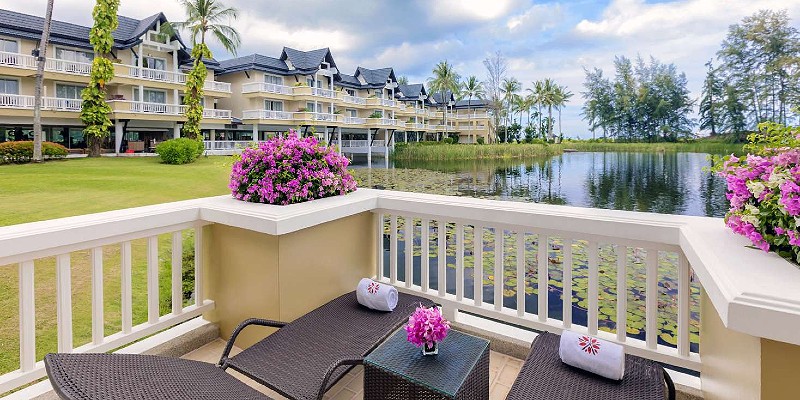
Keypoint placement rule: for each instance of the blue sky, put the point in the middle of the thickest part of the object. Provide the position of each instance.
(540, 39)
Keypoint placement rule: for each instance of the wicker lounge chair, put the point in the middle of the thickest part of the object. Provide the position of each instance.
(301, 360)
(545, 377)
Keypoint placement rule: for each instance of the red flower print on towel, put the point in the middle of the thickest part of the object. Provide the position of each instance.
(589, 345)
(373, 288)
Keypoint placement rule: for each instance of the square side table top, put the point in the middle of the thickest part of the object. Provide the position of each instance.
(444, 373)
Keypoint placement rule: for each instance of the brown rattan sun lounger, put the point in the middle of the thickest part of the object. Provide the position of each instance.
(545, 377)
(301, 360)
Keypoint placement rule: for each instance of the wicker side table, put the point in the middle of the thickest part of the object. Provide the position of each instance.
(397, 370)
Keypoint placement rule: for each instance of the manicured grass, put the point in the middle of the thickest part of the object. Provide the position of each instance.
(35, 192)
(57, 189)
(440, 152)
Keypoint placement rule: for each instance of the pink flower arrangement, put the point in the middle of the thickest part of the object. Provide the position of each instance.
(764, 195)
(290, 169)
(426, 327)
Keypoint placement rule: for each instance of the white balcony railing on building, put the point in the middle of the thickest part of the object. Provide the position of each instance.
(266, 114)
(320, 116)
(17, 60)
(149, 108)
(48, 103)
(216, 114)
(68, 67)
(476, 115)
(355, 121)
(362, 143)
(413, 125)
(217, 86)
(354, 100)
(56, 104)
(321, 92)
(16, 101)
(388, 103)
(228, 144)
(155, 74)
(264, 87)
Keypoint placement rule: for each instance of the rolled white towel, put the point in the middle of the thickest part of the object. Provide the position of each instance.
(589, 353)
(376, 296)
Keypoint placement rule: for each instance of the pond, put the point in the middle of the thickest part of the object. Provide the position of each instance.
(668, 183)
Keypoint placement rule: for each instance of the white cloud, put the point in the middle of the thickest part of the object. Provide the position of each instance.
(459, 11)
(539, 17)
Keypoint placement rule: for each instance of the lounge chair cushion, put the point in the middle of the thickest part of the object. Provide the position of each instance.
(91, 376)
(545, 377)
(294, 360)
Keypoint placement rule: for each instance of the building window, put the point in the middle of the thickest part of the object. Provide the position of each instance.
(273, 105)
(379, 94)
(273, 79)
(9, 46)
(352, 113)
(151, 96)
(154, 63)
(68, 91)
(74, 55)
(311, 108)
(310, 82)
(9, 86)
(351, 92)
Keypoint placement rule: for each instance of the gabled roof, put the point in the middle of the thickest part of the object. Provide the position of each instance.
(307, 61)
(474, 103)
(437, 97)
(348, 81)
(375, 78)
(127, 35)
(412, 92)
(255, 62)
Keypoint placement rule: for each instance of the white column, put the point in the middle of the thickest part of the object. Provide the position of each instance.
(213, 137)
(369, 146)
(118, 132)
(339, 139)
(255, 131)
(176, 131)
(326, 138)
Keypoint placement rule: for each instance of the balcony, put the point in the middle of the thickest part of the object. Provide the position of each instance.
(264, 87)
(354, 100)
(470, 116)
(415, 126)
(12, 101)
(248, 260)
(383, 122)
(355, 121)
(216, 114)
(363, 143)
(142, 108)
(267, 114)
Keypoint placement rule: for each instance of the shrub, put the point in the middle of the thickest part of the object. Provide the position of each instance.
(287, 170)
(481, 140)
(180, 151)
(448, 140)
(764, 190)
(22, 152)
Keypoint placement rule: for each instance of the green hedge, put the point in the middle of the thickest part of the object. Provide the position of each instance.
(22, 152)
(180, 151)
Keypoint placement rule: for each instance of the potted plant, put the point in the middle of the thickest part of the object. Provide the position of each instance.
(375, 115)
(764, 190)
(427, 328)
(288, 170)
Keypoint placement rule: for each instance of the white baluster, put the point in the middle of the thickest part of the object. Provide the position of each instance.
(684, 292)
(543, 264)
(651, 300)
(198, 266)
(477, 271)
(153, 311)
(459, 262)
(177, 272)
(126, 305)
(64, 303)
(408, 234)
(442, 257)
(622, 292)
(521, 274)
(593, 288)
(393, 250)
(98, 325)
(566, 296)
(425, 248)
(379, 246)
(27, 317)
(498, 268)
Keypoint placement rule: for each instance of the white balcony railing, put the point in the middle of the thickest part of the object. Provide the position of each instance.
(148, 108)
(413, 125)
(320, 116)
(321, 92)
(48, 103)
(17, 60)
(156, 75)
(355, 121)
(266, 114)
(264, 87)
(217, 86)
(16, 101)
(68, 67)
(56, 104)
(362, 143)
(216, 114)
(228, 144)
(604, 264)
(389, 121)
(354, 100)
(388, 103)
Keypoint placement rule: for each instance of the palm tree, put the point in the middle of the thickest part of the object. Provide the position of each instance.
(562, 96)
(509, 87)
(537, 97)
(37, 102)
(470, 88)
(445, 80)
(207, 16)
(548, 99)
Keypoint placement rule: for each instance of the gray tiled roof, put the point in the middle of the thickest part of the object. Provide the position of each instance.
(255, 62)
(348, 81)
(466, 103)
(410, 92)
(437, 97)
(305, 60)
(375, 77)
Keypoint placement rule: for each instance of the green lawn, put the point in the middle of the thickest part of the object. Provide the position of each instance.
(35, 192)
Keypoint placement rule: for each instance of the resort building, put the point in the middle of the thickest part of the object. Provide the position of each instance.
(246, 99)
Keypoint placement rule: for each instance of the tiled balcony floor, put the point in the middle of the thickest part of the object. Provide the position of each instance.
(502, 372)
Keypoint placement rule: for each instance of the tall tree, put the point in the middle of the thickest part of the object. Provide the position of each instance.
(472, 88)
(204, 17)
(37, 102)
(402, 80)
(446, 82)
(509, 88)
(496, 68)
(95, 109)
(560, 100)
(549, 99)
(711, 101)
